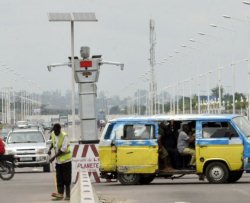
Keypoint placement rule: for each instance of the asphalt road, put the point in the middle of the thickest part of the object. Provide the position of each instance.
(28, 185)
(185, 190)
(31, 185)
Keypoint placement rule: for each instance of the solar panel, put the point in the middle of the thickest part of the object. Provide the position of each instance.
(84, 17)
(59, 16)
(72, 17)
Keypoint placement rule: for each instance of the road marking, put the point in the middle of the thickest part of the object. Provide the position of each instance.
(182, 202)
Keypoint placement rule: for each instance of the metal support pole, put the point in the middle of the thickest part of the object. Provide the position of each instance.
(87, 97)
(2, 108)
(72, 81)
(6, 106)
(183, 99)
(208, 95)
(248, 90)
(177, 100)
(14, 108)
(190, 93)
(199, 99)
(233, 66)
(219, 83)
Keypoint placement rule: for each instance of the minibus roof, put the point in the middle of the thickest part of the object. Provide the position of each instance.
(177, 117)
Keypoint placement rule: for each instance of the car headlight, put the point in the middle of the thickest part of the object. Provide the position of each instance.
(10, 152)
(41, 151)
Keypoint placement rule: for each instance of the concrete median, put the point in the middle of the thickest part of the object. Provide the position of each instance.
(82, 192)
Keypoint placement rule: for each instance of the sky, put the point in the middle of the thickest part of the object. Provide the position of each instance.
(29, 42)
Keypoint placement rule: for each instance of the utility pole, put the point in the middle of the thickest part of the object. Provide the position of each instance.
(153, 85)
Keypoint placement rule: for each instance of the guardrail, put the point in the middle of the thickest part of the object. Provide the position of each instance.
(82, 192)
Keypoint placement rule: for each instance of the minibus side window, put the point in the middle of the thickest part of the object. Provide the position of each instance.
(218, 130)
(138, 132)
(117, 131)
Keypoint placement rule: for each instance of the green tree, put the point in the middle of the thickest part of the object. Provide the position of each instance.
(215, 91)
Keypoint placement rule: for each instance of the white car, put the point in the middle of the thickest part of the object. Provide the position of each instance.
(29, 147)
(22, 124)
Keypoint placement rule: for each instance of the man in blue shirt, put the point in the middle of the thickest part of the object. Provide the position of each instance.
(184, 141)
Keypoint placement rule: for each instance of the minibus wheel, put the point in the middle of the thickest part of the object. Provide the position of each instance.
(217, 172)
(128, 179)
(146, 179)
(234, 176)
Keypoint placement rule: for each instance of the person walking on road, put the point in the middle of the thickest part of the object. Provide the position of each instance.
(60, 143)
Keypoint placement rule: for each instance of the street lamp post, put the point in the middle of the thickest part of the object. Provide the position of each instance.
(234, 89)
(219, 68)
(208, 90)
(246, 2)
(72, 17)
(242, 20)
(2, 107)
(177, 98)
(190, 93)
(233, 69)
(219, 77)
(219, 87)
(183, 97)
(199, 99)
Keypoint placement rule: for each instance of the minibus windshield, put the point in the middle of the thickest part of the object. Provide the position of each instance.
(243, 124)
(104, 130)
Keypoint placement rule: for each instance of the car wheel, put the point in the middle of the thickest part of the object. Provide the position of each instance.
(128, 179)
(46, 168)
(217, 172)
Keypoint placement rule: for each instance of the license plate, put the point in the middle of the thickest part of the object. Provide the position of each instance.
(26, 159)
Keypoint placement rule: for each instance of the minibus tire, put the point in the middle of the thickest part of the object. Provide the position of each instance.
(146, 179)
(217, 172)
(128, 179)
(234, 176)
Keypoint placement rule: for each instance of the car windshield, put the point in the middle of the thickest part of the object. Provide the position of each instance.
(243, 124)
(4, 133)
(22, 123)
(25, 137)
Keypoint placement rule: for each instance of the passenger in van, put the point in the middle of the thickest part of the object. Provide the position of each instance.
(164, 157)
(129, 133)
(146, 134)
(170, 143)
(191, 133)
(170, 140)
(184, 141)
(226, 131)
